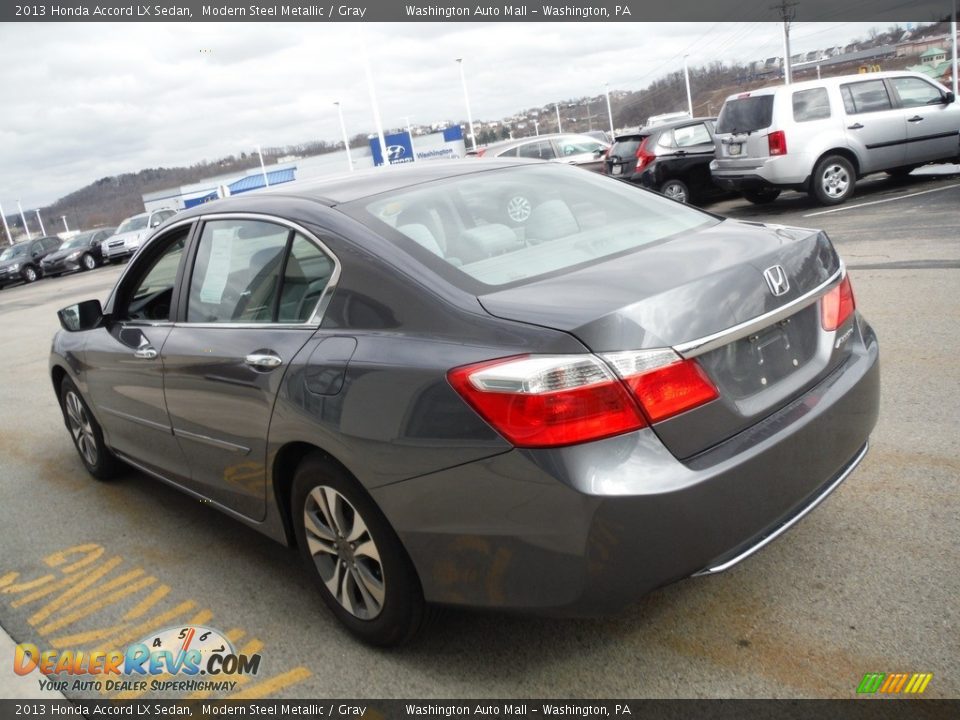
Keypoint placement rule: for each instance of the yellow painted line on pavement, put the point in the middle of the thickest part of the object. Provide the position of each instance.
(148, 602)
(110, 599)
(79, 582)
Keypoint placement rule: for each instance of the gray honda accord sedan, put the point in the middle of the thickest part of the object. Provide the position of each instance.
(439, 401)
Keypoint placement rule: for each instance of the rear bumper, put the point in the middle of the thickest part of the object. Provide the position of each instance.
(589, 528)
(787, 171)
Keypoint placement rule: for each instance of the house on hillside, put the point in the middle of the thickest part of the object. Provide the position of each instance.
(935, 65)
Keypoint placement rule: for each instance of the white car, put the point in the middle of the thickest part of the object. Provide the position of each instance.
(821, 136)
(132, 232)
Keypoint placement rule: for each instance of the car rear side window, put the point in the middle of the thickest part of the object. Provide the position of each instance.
(746, 114)
(813, 104)
(690, 135)
(542, 150)
(865, 97)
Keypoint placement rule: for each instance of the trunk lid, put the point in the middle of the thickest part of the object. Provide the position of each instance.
(622, 156)
(691, 287)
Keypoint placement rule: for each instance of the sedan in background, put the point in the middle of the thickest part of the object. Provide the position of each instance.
(573, 149)
(22, 262)
(436, 406)
(672, 158)
(132, 232)
(81, 252)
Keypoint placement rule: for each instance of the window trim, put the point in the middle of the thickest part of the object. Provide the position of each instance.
(316, 317)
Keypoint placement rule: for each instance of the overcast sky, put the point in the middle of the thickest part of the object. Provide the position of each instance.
(82, 100)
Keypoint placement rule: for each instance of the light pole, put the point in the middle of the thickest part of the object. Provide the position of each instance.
(466, 99)
(43, 230)
(5, 226)
(343, 131)
(953, 33)
(263, 168)
(376, 107)
(23, 219)
(66, 228)
(536, 127)
(686, 78)
(606, 87)
(559, 126)
(413, 150)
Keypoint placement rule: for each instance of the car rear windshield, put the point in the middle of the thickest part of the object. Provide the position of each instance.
(626, 147)
(746, 114)
(506, 227)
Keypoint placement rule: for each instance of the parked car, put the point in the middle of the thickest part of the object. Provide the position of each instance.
(672, 158)
(81, 252)
(436, 407)
(600, 135)
(822, 136)
(132, 232)
(21, 262)
(581, 150)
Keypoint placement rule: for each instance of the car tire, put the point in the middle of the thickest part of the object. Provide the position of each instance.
(761, 196)
(86, 434)
(833, 180)
(30, 274)
(676, 190)
(88, 262)
(356, 559)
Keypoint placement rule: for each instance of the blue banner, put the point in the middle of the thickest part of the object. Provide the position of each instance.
(399, 149)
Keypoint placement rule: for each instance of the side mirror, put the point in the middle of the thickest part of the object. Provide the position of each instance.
(82, 316)
(950, 98)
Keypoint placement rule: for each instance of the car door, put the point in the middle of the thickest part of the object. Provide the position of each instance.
(689, 155)
(582, 152)
(875, 129)
(933, 124)
(122, 365)
(247, 308)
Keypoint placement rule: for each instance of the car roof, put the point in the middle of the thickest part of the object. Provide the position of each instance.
(836, 80)
(343, 188)
(507, 144)
(649, 130)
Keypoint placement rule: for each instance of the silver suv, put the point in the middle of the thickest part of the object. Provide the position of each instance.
(821, 136)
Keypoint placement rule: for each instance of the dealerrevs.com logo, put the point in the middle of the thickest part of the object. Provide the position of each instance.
(190, 659)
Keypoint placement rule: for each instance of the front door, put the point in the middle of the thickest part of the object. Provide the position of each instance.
(873, 126)
(933, 125)
(250, 302)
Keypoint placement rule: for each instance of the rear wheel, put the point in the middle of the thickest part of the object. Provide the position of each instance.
(761, 196)
(88, 262)
(833, 180)
(355, 557)
(86, 434)
(676, 190)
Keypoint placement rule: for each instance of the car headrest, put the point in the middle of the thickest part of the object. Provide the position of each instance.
(485, 241)
(551, 220)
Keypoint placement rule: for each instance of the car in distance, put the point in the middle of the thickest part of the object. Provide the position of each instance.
(574, 149)
(672, 158)
(22, 262)
(81, 252)
(132, 232)
(436, 406)
(821, 136)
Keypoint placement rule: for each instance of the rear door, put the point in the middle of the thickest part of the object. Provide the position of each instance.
(875, 128)
(248, 307)
(933, 125)
(689, 155)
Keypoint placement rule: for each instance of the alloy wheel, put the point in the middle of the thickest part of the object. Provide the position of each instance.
(518, 208)
(344, 552)
(675, 192)
(835, 180)
(81, 428)
(30, 274)
(88, 262)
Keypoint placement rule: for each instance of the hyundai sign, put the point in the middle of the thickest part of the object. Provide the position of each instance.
(399, 149)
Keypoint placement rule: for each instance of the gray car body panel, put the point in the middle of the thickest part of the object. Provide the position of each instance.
(484, 523)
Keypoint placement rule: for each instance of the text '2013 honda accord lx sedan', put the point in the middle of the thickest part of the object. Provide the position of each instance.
(440, 404)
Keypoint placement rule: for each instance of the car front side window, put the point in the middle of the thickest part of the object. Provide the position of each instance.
(149, 294)
(914, 92)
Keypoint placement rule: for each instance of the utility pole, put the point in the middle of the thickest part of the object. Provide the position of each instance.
(606, 87)
(787, 14)
(686, 78)
(23, 218)
(590, 116)
(559, 126)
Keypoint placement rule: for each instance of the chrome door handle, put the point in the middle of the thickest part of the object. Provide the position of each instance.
(855, 126)
(263, 360)
(915, 118)
(146, 353)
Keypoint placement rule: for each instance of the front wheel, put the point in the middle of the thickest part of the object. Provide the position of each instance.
(761, 196)
(87, 262)
(86, 434)
(356, 559)
(30, 274)
(676, 190)
(833, 180)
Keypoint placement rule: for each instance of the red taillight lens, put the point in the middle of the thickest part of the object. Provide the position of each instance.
(548, 401)
(777, 143)
(664, 384)
(837, 305)
(644, 156)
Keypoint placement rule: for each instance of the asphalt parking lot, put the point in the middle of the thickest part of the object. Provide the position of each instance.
(867, 583)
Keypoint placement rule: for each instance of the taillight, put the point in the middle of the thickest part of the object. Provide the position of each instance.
(548, 400)
(644, 156)
(837, 305)
(481, 152)
(663, 383)
(777, 143)
(553, 400)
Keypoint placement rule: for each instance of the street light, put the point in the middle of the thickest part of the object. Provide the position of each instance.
(5, 226)
(466, 99)
(23, 219)
(66, 227)
(40, 220)
(559, 126)
(343, 131)
(606, 87)
(413, 150)
(536, 127)
(686, 77)
(263, 168)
